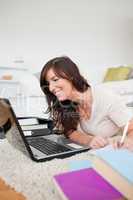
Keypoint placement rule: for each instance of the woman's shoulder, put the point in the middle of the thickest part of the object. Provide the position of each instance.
(103, 94)
(101, 90)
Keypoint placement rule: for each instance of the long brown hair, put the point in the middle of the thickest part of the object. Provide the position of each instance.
(65, 114)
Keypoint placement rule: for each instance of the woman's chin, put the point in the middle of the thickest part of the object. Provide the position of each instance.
(61, 98)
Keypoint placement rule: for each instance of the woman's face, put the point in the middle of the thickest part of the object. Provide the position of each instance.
(60, 87)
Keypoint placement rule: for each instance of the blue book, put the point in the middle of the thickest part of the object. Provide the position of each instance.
(116, 165)
(74, 165)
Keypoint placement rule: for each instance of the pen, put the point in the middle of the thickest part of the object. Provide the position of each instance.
(124, 133)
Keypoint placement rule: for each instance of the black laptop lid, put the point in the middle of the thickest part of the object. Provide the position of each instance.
(21, 139)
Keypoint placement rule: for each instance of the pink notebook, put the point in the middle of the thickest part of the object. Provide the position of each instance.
(85, 184)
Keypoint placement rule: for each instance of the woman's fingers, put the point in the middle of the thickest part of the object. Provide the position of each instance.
(128, 144)
(115, 142)
(98, 142)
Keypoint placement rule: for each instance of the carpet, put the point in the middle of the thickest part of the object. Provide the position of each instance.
(33, 180)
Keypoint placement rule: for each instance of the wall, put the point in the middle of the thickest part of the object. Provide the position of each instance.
(94, 33)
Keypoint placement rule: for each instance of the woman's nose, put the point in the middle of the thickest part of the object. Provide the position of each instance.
(51, 87)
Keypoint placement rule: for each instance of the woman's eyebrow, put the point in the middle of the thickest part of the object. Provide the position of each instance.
(51, 78)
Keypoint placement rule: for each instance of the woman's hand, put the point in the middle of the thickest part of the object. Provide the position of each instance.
(98, 142)
(127, 144)
(115, 142)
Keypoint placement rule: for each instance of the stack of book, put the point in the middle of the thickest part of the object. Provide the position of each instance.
(109, 178)
(116, 166)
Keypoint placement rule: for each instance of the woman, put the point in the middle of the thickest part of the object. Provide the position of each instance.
(87, 115)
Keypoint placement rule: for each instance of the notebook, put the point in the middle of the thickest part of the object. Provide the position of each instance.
(84, 184)
(116, 165)
(42, 144)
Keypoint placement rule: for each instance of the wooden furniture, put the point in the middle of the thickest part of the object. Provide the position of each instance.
(8, 193)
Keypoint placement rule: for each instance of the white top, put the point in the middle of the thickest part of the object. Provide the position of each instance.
(109, 113)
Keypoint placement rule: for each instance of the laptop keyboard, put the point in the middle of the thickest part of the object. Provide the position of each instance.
(46, 146)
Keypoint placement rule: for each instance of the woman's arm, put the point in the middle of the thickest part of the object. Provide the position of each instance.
(80, 138)
(88, 140)
(130, 129)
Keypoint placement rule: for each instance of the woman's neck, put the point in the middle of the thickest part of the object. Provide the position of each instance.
(83, 99)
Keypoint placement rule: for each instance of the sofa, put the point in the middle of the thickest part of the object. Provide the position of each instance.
(123, 88)
(120, 80)
(117, 78)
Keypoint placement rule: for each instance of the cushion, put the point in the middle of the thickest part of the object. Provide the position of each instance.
(117, 73)
(130, 76)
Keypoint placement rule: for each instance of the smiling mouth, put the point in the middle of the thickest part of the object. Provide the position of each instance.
(58, 93)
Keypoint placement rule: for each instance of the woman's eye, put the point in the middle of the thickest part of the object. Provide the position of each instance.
(56, 79)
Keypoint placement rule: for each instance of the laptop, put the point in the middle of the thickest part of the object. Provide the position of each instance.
(38, 140)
